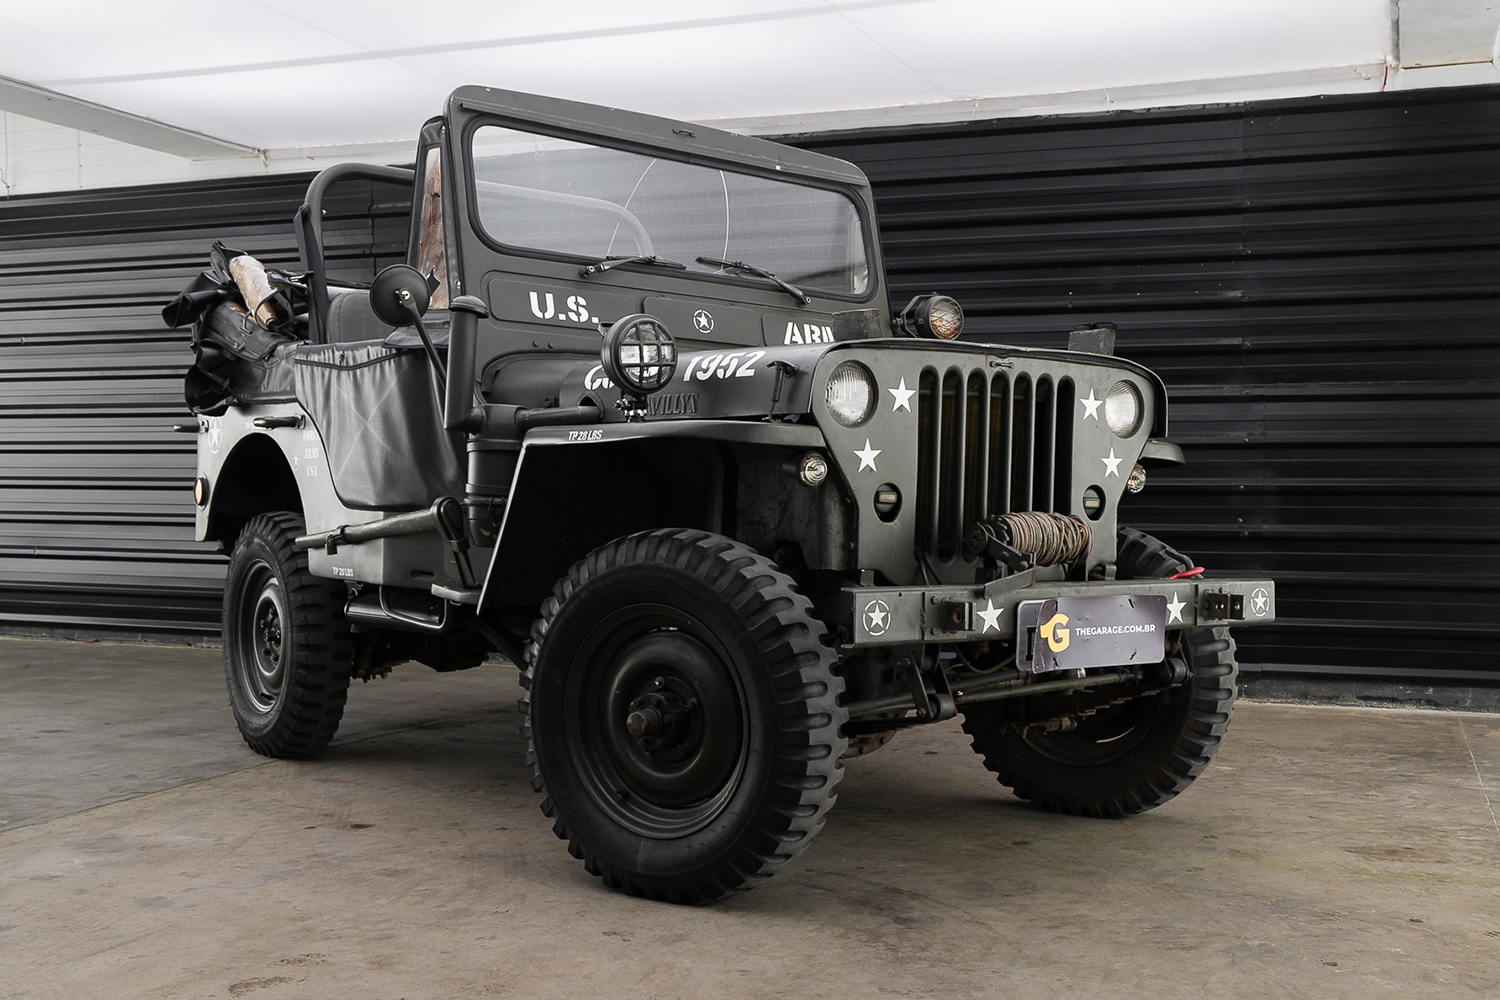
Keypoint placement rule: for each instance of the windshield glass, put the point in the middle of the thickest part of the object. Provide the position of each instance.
(570, 197)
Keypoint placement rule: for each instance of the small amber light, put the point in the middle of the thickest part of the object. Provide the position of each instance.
(200, 491)
(813, 468)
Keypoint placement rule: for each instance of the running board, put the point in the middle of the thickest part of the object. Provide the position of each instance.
(380, 609)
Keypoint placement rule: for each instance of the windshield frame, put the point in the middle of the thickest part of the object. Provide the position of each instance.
(849, 192)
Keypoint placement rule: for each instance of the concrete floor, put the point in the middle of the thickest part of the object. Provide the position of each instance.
(145, 852)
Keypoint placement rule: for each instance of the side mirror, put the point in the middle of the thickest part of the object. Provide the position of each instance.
(397, 292)
(399, 295)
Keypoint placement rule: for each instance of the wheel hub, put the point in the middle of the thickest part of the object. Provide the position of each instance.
(657, 721)
(268, 630)
(662, 717)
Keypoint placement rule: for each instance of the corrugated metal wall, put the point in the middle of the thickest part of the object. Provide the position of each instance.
(96, 525)
(1318, 281)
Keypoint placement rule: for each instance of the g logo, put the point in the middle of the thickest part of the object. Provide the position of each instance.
(1056, 636)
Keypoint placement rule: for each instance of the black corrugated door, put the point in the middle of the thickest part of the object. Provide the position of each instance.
(95, 510)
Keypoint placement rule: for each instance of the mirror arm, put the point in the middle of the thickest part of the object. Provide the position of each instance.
(432, 354)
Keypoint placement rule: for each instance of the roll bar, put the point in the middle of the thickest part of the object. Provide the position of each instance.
(308, 223)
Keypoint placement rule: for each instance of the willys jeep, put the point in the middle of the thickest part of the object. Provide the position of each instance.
(639, 417)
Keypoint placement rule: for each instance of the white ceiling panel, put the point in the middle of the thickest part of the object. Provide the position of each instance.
(273, 74)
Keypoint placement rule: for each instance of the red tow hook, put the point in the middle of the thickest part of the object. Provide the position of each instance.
(1195, 571)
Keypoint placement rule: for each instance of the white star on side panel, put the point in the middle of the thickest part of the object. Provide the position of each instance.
(1175, 606)
(991, 616)
(1091, 406)
(1111, 465)
(903, 397)
(877, 618)
(867, 457)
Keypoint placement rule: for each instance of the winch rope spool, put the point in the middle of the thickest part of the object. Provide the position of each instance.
(1055, 539)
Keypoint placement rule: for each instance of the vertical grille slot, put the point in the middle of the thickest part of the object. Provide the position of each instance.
(976, 454)
(1023, 444)
(1046, 443)
(1062, 463)
(929, 454)
(950, 481)
(1000, 445)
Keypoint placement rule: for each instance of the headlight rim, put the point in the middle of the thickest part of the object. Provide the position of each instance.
(871, 401)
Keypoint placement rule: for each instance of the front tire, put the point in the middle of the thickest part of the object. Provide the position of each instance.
(1125, 758)
(287, 647)
(682, 715)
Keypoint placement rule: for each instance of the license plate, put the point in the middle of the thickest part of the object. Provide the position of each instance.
(1072, 633)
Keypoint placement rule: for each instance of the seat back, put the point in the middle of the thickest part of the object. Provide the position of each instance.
(350, 318)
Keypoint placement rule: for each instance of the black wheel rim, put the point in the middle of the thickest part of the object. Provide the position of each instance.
(1110, 733)
(656, 721)
(260, 635)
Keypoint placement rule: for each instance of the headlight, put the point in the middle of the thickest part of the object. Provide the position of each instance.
(1122, 408)
(639, 354)
(850, 394)
(932, 316)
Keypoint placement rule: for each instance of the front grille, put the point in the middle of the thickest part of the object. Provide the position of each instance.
(989, 444)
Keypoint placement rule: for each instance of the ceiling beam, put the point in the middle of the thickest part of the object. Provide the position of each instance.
(60, 109)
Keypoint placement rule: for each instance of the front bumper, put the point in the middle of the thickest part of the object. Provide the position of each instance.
(895, 616)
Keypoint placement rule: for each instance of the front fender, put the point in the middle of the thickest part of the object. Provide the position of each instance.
(576, 488)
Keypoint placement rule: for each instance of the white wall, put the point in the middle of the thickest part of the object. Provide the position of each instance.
(37, 157)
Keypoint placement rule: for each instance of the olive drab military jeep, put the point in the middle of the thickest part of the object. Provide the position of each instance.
(638, 417)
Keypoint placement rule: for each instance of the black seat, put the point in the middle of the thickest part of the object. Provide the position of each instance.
(350, 318)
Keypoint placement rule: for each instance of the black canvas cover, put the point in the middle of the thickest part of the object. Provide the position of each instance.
(236, 360)
(380, 417)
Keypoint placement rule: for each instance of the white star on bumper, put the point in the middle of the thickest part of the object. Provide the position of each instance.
(1175, 606)
(867, 457)
(1091, 406)
(903, 397)
(1111, 465)
(991, 616)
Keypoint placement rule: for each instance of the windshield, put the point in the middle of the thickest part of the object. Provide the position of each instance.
(570, 197)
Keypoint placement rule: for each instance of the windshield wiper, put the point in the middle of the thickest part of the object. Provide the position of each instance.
(614, 260)
(739, 265)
